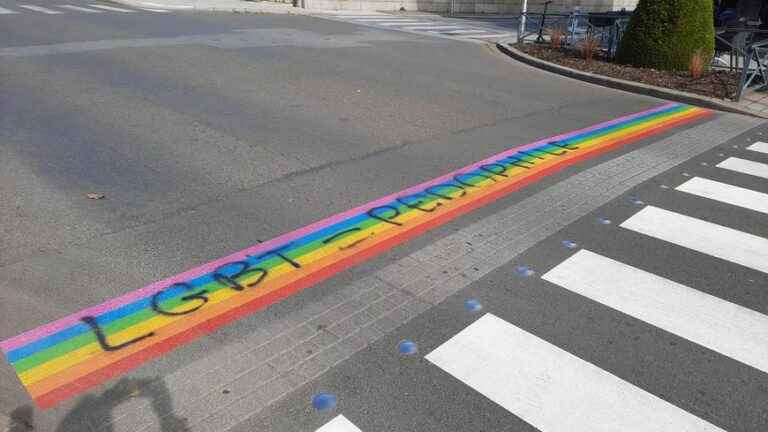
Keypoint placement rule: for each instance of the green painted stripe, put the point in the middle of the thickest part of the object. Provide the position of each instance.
(117, 326)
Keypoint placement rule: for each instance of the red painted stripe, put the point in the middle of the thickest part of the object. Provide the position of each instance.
(118, 368)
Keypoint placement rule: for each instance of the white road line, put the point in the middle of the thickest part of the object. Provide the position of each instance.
(112, 8)
(458, 32)
(358, 16)
(383, 19)
(155, 10)
(709, 321)
(339, 424)
(702, 236)
(551, 389)
(40, 9)
(402, 24)
(490, 35)
(759, 146)
(745, 167)
(80, 9)
(4, 11)
(726, 193)
(165, 6)
(432, 27)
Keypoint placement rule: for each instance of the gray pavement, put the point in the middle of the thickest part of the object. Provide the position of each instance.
(381, 389)
(208, 133)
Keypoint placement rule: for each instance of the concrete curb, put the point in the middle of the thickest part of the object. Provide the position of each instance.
(620, 84)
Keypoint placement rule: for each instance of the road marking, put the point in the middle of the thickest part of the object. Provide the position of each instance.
(402, 24)
(339, 424)
(64, 358)
(490, 35)
(112, 8)
(726, 193)
(759, 146)
(358, 16)
(551, 389)
(384, 19)
(165, 6)
(709, 321)
(155, 10)
(458, 32)
(80, 9)
(40, 9)
(702, 236)
(745, 166)
(4, 11)
(431, 27)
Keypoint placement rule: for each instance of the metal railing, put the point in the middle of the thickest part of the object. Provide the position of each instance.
(606, 28)
(754, 71)
(737, 49)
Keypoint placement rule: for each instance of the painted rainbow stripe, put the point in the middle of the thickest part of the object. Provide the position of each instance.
(65, 358)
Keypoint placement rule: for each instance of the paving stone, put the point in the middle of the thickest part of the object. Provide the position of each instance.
(364, 315)
(324, 338)
(351, 324)
(293, 357)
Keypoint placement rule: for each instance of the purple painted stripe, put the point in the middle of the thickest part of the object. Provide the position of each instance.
(47, 329)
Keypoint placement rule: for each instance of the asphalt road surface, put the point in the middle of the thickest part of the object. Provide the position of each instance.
(624, 290)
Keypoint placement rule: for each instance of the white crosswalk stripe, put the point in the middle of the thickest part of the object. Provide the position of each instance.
(80, 9)
(719, 325)
(358, 16)
(402, 24)
(40, 9)
(726, 193)
(111, 8)
(165, 6)
(426, 25)
(745, 166)
(722, 242)
(551, 389)
(432, 27)
(759, 146)
(339, 424)
(555, 391)
(493, 35)
(382, 19)
(463, 32)
(62, 8)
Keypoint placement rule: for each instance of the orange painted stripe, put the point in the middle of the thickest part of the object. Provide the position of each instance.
(73, 381)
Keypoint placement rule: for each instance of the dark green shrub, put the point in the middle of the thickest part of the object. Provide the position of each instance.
(665, 34)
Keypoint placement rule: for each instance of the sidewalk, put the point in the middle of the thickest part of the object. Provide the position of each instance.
(752, 103)
(756, 102)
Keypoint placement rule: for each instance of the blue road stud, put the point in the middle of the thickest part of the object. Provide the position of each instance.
(473, 305)
(407, 347)
(324, 401)
(569, 244)
(525, 271)
(603, 221)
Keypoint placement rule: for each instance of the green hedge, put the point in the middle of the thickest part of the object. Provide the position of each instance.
(664, 34)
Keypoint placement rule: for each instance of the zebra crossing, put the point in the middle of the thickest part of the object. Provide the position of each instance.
(57, 9)
(554, 390)
(339, 424)
(426, 26)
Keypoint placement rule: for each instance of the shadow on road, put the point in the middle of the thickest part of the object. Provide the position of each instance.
(96, 410)
(22, 419)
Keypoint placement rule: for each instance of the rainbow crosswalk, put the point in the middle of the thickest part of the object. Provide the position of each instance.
(64, 358)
